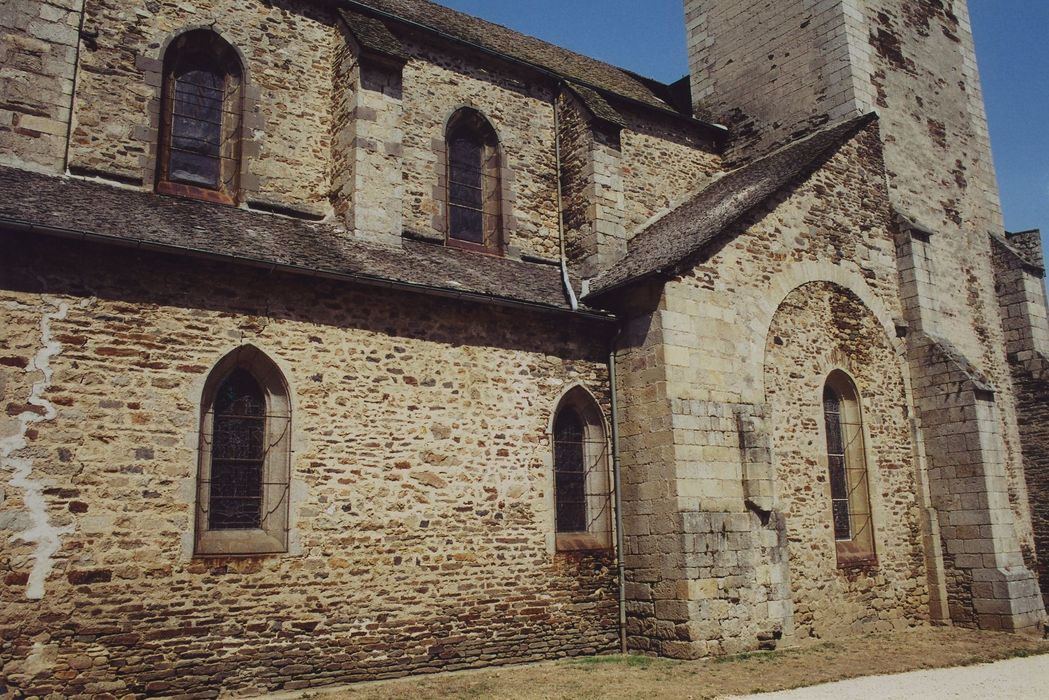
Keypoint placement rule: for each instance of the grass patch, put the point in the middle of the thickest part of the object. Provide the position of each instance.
(623, 660)
(634, 677)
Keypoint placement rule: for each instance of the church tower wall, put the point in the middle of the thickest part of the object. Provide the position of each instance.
(913, 63)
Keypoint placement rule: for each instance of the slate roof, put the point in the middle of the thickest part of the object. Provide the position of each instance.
(670, 241)
(373, 35)
(576, 67)
(84, 209)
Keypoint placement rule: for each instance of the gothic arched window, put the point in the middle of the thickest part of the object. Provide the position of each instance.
(199, 150)
(847, 471)
(243, 478)
(581, 485)
(474, 188)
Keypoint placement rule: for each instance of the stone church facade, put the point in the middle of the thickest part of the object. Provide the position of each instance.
(346, 340)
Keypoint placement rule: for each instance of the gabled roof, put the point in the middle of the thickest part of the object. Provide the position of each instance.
(75, 208)
(577, 68)
(670, 241)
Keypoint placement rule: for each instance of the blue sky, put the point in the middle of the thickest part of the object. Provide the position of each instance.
(1012, 44)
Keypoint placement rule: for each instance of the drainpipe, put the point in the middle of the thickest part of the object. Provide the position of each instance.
(572, 301)
(617, 492)
(73, 87)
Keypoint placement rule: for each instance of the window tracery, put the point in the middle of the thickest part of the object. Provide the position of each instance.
(847, 471)
(243, 480)
(199, 151)
(582, 493)
(474, 206)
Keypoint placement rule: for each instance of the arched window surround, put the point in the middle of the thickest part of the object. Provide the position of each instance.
(269, 534)
(473, 203)
(201, 118)
(852, 522)
(583, 500)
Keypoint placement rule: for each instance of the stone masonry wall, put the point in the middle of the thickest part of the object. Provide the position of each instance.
(771, 70)
(708, 470)
(663, 163)
(1021, 296)
(437, 82)
(819, 328)
(421, 507)
(914, 63)
(38, 52)
(288, 49)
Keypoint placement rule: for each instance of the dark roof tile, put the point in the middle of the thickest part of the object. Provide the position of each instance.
(500, 39)
(373, 35)
(184, 226)
(682, 232)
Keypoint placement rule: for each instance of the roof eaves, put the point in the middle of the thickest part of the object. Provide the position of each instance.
(718, 132)
(597, 105)
(373, 36)
(261, 263)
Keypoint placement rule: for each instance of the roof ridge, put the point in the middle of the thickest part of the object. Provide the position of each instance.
(527, 49)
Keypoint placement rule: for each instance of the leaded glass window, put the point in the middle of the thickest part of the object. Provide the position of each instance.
(244, 476)
(474, 188)
(570, 471)
(199, 151)
(238, 453)
(196, 128)
(839, 486)
(847, 471)
(581, 484)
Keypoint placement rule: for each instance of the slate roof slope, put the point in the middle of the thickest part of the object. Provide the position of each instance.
(183, 226)
(674, 238)
(505, 41)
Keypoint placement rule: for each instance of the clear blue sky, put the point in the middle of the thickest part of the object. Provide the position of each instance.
(1012, 43)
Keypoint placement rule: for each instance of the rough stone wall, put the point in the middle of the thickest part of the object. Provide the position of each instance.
(662, 163)
(915, 64)
(38, 52)
(288, 49)
(696, 359)
(1021, 296)
(819, 328)
(439, 82)
(421, 506)
(975, 492)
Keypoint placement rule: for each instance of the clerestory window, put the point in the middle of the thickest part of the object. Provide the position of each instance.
(199, 151)
(847, 471)
(474, 206)
(582, 496)
(243, 474)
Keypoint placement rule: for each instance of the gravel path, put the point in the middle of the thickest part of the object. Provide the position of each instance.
(1003, 680)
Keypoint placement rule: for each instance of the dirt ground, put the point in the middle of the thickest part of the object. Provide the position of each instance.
(649, 678)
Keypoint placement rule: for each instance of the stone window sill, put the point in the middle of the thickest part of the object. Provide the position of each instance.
(581, 542)
(225, 543)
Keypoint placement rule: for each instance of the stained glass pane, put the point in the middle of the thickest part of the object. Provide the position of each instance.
(466, 188)
(570, 472)
(238, 454)
(842, 525)
(466, 225)
(196, 128)
(836, 464)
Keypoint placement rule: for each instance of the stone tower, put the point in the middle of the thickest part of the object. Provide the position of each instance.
(776, 69)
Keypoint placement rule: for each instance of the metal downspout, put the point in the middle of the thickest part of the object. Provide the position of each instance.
(617, 491)
(572, 301)
(73, 87)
